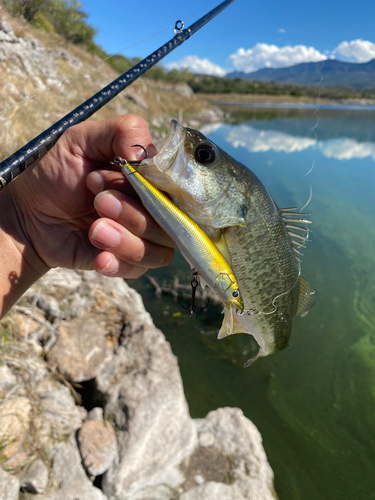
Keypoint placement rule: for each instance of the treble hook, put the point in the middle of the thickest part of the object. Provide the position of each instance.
(192, 309)
(145, 152)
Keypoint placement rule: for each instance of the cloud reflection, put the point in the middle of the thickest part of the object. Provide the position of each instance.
(346, 149)
(261, 141)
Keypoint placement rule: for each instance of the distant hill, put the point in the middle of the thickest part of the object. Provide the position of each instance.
(329, 73)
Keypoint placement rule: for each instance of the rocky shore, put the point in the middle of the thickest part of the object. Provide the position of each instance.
(92, 405)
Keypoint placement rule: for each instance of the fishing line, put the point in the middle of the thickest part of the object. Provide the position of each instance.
(87, 68)
(313, 131)
(253, 311)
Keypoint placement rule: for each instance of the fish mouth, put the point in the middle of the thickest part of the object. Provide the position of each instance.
(169, 148)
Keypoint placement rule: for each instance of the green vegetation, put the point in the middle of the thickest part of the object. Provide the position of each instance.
(65, 17)
(208, 84)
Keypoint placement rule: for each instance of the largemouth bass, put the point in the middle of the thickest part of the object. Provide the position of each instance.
(260, 241)
(197, 248)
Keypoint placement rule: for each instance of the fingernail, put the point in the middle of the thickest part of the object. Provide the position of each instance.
(106, 235)
(108, 205)
(111, 267)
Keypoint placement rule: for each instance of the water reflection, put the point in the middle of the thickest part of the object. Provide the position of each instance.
(260, 141)
(257, 140)
(347, 149)
(315, 402)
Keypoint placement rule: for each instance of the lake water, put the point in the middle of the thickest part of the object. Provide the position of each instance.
(314, 403)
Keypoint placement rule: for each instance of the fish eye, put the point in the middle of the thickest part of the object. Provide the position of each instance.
(205, 154)
(235, 294)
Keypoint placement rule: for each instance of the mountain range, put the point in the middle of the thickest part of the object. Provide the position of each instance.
(328, 73)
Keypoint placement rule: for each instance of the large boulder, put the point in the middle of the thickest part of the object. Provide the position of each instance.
(138, 436)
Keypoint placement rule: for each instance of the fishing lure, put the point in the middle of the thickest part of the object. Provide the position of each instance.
(197, 248)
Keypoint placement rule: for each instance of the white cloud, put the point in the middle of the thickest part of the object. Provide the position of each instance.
(281, 30)
(198, 65)
(356, 50)
(263, 55)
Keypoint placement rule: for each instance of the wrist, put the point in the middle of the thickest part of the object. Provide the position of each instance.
(20, 264)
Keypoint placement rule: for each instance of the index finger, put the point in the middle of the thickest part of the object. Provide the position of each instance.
(101, 141)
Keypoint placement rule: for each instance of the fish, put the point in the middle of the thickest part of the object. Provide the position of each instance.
(260, 242)
(200, 252)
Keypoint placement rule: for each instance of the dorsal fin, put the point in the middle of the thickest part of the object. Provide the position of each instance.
(298, 230)
(306, 297)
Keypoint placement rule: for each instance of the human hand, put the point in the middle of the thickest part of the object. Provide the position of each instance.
(49, 211)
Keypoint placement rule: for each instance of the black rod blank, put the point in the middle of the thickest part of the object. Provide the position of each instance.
(11, 167)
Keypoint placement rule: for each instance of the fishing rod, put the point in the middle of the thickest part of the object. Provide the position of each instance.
(11, 167)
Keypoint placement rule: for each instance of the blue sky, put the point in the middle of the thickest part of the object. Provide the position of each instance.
(245, 37)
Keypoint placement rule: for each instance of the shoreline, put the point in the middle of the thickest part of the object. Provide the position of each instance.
(280, 99)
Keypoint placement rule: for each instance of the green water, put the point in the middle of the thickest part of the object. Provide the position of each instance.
(313, 403)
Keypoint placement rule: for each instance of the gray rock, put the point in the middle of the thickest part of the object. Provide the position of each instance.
(9, 486)
(98, 446)
(199, 479)
(14, 423)
(7, 378)
(36, 478)
(81, 349)
(62, 53)
(50, 305)
(59, 417)
(206, 439)
(31, 57)
(215, 491)
(237, 437)
(162, 453)
(145, 397)
(136, 97)
(70, 476)
(95, 414)
(183, 89)
(7, 33)
(61, 278)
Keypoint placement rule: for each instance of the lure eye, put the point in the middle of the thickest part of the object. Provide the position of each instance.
(205, 154)
(235, 294)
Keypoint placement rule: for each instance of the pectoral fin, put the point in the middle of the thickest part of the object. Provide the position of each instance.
(306, 297)
(230, 326)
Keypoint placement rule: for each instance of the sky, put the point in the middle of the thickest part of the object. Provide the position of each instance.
(245, 37)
